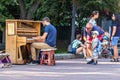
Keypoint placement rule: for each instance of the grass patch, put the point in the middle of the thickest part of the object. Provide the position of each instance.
(60, 51)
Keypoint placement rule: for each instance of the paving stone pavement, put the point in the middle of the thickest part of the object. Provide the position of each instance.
(71, 69)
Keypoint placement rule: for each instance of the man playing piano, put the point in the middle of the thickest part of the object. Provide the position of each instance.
(46, 41)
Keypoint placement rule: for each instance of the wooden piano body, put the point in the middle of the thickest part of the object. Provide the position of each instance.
(19, 35)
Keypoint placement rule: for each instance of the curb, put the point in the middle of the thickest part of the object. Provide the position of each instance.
(62, 56)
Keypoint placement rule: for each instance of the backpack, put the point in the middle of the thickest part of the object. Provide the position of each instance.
(69, 48)
(99, 46)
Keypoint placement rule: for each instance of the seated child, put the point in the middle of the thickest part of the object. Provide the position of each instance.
(106, 46)
(78, 46)
(95, 47)
(105, 41)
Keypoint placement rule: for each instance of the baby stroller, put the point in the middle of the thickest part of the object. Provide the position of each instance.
(5, 61)
(106, 50)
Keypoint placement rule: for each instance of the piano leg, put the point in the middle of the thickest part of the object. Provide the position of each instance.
(19, 57)
(28, 53)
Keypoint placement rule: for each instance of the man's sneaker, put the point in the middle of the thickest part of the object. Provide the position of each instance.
(34, 62)
(38, 61)
(94, 63)
(90, 62)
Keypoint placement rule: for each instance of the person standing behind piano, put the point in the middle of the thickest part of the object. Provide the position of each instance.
(46, 41)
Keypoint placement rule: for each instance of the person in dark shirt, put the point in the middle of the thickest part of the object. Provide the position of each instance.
(87, 35)
(46, 41)
(88, 32)
(115, 33)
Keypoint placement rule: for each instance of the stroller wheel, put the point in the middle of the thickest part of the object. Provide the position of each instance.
(100, 56)
(105, 56)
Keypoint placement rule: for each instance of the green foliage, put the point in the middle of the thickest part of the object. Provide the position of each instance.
(91, 5)
(28, 3)
(47, 9)
(85, 8)
(4, 14)
(8, 2)
(83, 21)
(60, 11)
(60, 51)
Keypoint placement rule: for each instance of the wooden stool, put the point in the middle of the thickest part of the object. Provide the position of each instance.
(48, 57)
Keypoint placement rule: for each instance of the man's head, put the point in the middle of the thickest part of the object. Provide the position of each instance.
(45, 21)
(89, 27)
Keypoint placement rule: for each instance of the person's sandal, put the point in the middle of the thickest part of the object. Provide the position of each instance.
(117, 60)
(113, 60)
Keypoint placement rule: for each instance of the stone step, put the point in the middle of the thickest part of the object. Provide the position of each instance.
(60, 56)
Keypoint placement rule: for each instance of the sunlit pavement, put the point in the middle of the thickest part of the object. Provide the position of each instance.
(72, 69)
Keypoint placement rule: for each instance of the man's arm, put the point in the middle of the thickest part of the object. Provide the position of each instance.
(85, 38)
(114, 31)
(84, 35)
(99, 29)
(83, 45)
(41, 38)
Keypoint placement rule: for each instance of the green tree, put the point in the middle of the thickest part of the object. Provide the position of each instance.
(20, 9)
(60, 11)
(4, 14)
(85, 7)
(28, 8)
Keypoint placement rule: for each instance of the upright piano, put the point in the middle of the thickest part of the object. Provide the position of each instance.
(19, 35)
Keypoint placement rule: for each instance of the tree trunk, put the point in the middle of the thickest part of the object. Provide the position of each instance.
(22, 9)
(3, 36)
(33, 9)
(73, 21)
